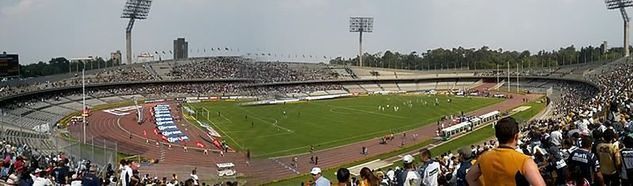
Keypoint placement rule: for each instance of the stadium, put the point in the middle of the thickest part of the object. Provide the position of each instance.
(226, 117)
(262, 124)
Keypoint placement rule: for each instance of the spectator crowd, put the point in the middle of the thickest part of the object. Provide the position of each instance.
(22, 165)
(210, 68)
(238, 67)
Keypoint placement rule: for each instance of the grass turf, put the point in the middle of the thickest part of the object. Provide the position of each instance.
(474, 137)
(266, 131)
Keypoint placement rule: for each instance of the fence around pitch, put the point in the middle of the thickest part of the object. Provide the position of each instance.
(99, 151)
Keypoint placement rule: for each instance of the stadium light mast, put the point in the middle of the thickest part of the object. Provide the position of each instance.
(360, 25)
(622, 4)
(133, 10)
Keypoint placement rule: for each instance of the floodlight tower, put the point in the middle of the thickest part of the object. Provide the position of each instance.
(622, 4)
(360, 25)
(133, 10)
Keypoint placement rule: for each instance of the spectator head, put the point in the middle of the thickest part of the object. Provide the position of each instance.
(465, 154)
(368, 175)
(596, 134)
(425, 154)
(507, 131)
(586, 143)
(123, 162)
(342, 175)
(365, 172)
(608, 135)
(407, 160)
(315, 172)
(628, 141)
(575, 135)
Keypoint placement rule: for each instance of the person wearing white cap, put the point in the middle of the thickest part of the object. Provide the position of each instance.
(39, 178)
(319, 180)
(408, 177)
(75, 180)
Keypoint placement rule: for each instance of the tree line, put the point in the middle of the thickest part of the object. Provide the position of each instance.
(482, 58)
(436, 59)
(62, 65)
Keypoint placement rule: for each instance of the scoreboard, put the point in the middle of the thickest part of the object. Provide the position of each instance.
(9, 65)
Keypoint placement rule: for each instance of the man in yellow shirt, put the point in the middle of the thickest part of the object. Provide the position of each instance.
(504, 165)
(609, 156)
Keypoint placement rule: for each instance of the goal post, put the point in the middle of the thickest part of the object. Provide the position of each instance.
(208, 113)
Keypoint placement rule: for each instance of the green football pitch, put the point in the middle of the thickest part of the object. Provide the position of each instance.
(284, 129)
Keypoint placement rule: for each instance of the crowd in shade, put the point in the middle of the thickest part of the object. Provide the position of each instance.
(190, 89)
(193, 89)
(211, 68)
(237, 67)
(23, 166)
(102, 76)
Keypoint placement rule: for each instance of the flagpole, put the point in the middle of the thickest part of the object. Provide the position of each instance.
(509, 86)
(83, 110)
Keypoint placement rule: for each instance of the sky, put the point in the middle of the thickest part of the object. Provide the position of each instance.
(39, 30)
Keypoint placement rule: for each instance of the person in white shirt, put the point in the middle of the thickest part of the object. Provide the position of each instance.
(430, 170)
(391, 174)
(194, 177)
(319, 180)
(556, 136)
(75, 180)
(126, 173)
(39, 178)
(408, 176)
